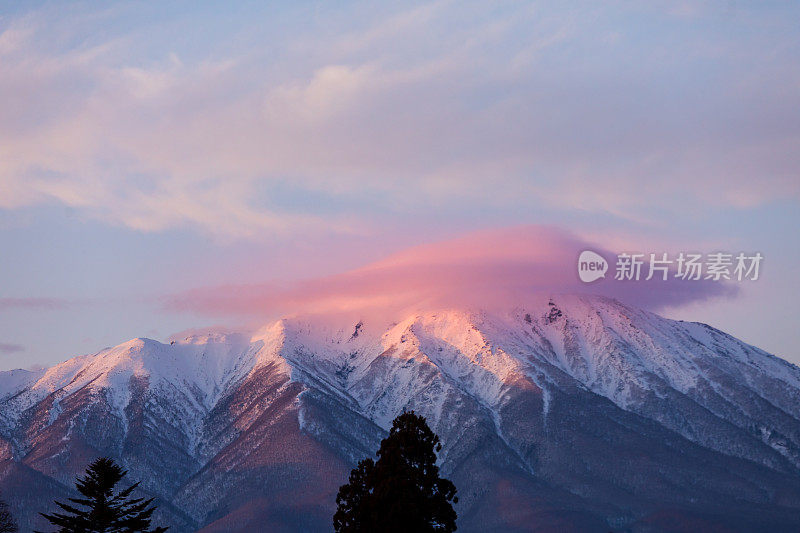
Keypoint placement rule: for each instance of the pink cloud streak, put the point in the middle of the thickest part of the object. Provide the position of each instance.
(31, 303)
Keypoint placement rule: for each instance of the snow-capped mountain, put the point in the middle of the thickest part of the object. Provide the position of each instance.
(573, 413)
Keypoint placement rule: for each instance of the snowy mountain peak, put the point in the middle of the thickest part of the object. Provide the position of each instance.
(527, 390)
(611, 349)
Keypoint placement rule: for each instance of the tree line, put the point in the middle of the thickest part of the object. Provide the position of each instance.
(399, 492)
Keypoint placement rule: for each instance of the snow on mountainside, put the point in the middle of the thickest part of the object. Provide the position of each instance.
(14, 380)
(576, 406)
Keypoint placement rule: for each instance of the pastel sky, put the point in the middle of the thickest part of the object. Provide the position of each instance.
(164, 167)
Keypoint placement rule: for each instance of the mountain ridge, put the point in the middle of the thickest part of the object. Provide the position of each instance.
(297, 403)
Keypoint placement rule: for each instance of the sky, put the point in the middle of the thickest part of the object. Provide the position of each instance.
(165, 167)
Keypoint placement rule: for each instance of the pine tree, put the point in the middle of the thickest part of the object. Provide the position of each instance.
(402, 490)
(104, 510)
(7, 522)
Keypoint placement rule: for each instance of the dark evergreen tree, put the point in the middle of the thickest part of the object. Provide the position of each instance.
(402, 490)
(7, 522)
(104, 511)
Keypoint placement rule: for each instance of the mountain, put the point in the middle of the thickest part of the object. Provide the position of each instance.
(572, 413)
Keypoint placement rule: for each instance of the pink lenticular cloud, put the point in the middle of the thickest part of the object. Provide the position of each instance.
(489, 269)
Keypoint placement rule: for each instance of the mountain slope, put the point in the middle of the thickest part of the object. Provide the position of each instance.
(575, 412)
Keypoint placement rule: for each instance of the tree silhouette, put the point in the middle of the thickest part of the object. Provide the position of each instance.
(7, 522)
(402, 490)
(104, 510)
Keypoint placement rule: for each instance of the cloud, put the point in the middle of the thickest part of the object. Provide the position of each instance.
(430, 106)
(32, 303)
(487, 269)
(209, 331)
(7, 348)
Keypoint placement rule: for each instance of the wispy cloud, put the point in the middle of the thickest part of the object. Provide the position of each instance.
(7, 348)
(435, 105)
(32, 303)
